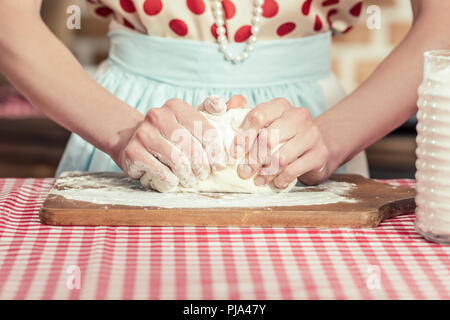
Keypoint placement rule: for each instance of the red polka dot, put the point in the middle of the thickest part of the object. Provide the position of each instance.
(348, 29)
(285, 28)
(270, 8)
(103, 11)
(127, 6)
(317, 23)
(196, 6)
(128, 24)
(179, 27)
(356, 9)
(214, 31)
(329, 2)
(229, 9)
(243, 33)
(153, 7)
(306, 7)
(329, 14)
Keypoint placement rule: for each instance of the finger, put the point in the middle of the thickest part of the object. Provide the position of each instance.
(214, 105)
(237, 102)
(244, 168)
(312, 160)
(139, 164)
(180, 137)
(252, 158)
(202, 130)
(167, 153)
(268, 172)
(304, 141)
(314, 177)
(259, 117)
(280, 131)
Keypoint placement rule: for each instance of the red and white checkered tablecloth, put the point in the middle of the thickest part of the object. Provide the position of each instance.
(44, 262)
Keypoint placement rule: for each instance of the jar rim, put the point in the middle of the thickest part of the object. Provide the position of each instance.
(438, 54)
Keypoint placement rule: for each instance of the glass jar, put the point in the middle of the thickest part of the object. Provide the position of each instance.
(433, 149)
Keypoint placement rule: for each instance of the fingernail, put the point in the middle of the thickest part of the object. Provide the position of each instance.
(215, 104)
(245, 171)
(203, 175)
(221, 163)
(259, 181)
(188, 183)
(281, 184)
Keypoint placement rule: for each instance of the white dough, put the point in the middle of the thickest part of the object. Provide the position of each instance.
(226, 180)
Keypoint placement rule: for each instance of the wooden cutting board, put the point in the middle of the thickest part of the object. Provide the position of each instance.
(112, 199)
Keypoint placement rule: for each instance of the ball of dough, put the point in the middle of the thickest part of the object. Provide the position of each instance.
(226, 180)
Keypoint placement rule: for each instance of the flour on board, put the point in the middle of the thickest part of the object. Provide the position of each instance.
(114, 188)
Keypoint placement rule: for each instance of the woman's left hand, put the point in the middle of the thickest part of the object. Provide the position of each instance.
(302, 152)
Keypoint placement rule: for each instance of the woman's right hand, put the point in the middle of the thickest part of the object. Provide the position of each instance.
(174, 144)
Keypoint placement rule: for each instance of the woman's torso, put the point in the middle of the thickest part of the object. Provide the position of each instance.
(147, 71)
(194, 19)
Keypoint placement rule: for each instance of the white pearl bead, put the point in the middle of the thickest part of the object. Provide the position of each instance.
(237, 59)
(257, 11)
(222, 38)
(221, 31)
(256, 20)
(219, 22)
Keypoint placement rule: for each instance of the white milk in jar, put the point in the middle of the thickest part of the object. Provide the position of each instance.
(433, 149)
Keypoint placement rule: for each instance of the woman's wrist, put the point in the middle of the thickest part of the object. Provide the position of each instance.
(337, 151)
(123, 131)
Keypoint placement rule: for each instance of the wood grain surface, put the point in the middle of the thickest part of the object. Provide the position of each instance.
(375, 203)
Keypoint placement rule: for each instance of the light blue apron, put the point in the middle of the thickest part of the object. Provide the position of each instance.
(146, 71)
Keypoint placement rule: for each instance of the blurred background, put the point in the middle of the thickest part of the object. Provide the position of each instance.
(31, 145)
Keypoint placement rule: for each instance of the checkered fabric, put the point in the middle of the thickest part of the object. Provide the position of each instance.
(37, 261)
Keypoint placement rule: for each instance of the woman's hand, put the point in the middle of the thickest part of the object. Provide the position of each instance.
(173, 144)
(280, 143)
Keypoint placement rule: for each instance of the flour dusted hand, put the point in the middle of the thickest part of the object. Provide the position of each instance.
(227, 180)
(173, 146)
(281, 143)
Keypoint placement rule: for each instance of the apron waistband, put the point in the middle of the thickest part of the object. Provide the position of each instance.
(191, 63)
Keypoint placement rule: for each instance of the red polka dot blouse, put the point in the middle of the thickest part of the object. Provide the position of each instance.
(194, 19)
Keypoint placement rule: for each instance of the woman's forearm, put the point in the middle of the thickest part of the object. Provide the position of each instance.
(388, 97)
(46, 72)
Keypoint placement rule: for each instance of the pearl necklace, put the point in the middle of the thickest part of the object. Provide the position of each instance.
(221, 30)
